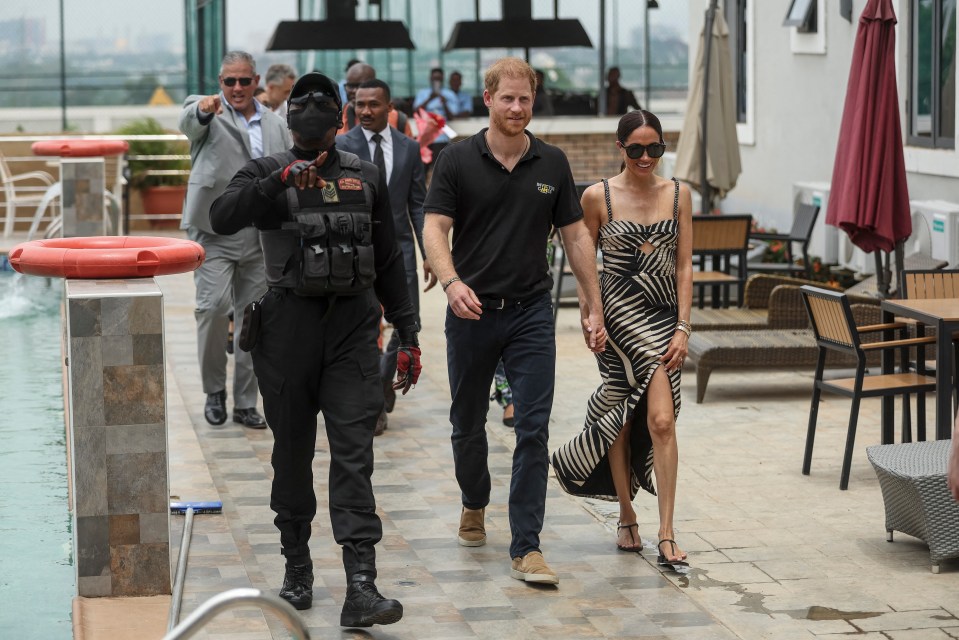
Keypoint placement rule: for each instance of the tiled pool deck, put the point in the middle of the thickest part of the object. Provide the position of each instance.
(773, 553)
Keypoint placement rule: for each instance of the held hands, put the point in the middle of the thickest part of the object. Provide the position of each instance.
(594, 331)
(676, 352)
(303, 174)
(211, 104)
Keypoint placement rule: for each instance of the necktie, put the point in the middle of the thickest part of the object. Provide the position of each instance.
(378, 159)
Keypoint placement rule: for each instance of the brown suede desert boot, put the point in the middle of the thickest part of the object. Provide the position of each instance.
(533, 568)
(472, 528)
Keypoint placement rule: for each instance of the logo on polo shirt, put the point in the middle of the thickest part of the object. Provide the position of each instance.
(544, 188)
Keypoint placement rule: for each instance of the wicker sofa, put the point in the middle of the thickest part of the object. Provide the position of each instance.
(769, 302)
(764, 348)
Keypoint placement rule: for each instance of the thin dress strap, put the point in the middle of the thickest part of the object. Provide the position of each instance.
(609, 205)
(676, 200)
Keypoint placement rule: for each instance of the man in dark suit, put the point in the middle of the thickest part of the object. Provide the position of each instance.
(399, 158)
(226, 130)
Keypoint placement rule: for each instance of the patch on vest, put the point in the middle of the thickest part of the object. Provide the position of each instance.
(544, 188)
(330, 194)
(350, 184)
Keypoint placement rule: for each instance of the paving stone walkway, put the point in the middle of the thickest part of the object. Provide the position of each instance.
(773, 553)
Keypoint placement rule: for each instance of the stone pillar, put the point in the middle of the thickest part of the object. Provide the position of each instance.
(118, 437)
(83, 184)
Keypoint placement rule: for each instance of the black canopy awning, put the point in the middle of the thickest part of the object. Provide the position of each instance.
(519, 33)
(325, 35)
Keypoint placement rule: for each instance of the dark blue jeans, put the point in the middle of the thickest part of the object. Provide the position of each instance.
(523, 335)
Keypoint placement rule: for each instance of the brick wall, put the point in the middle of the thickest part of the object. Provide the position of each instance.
(593, 156)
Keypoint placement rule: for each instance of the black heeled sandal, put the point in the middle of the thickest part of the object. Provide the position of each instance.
(632, 538)
(662, 560)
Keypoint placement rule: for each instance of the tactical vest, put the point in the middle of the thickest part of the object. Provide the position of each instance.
(326, 247)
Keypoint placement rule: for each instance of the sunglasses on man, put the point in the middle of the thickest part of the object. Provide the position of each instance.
(231, 81)
(636, 151)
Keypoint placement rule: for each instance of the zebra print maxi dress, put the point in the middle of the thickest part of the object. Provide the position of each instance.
(638, 287)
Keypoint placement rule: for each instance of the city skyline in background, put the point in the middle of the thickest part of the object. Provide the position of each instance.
(116, 55)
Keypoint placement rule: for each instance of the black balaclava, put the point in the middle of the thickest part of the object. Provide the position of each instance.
(314, 121)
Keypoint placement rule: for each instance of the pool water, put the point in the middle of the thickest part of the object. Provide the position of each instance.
(37, 582)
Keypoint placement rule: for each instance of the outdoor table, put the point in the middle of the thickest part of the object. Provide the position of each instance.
(943, 314)
(82, 185)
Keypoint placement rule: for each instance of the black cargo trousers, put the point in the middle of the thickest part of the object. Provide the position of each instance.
(319, 353)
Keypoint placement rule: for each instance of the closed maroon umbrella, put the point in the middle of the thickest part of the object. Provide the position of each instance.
(869, 199)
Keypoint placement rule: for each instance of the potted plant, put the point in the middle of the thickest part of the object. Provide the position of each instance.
(162, 183)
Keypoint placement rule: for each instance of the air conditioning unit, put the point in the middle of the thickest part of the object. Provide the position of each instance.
(935, 230)
(855, 259)
(825, 238)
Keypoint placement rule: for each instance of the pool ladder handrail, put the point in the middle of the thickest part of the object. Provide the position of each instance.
(236, 598)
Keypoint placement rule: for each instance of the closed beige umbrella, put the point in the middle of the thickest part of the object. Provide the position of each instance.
(723, 165)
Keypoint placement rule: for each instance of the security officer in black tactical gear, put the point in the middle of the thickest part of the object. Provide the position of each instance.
(327, 234)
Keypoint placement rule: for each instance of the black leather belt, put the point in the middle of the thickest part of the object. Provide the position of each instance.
(490, 302)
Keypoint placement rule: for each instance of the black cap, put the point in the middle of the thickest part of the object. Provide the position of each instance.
(316, 82)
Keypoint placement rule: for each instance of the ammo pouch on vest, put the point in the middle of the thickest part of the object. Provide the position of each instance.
(327, 248)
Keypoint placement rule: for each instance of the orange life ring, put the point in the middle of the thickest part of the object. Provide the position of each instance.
(76, 148)
(106, 257)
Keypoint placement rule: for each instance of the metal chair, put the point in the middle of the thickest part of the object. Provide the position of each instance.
(834, 328)
(804, 219)
(15, 197)
(719, 239)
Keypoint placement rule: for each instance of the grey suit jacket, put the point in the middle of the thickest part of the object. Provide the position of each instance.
(218, 149)
(407, 183)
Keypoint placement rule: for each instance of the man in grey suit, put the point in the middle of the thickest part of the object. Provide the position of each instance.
(226, 130)
(399, 158)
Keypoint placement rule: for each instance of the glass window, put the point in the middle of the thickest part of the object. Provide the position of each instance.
(932, 74)
(802, 15)
(738, 46)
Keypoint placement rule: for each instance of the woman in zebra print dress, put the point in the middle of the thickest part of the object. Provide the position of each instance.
(642, 223)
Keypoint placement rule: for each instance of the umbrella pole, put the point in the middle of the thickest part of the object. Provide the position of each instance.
(706, 195)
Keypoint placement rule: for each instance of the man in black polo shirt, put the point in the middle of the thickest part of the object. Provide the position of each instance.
(502, 190)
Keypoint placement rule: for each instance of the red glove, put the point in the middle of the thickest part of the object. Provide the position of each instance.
(408, 367)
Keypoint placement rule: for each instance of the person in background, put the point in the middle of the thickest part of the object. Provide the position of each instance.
(323, 217)
(462, 107)
(543, 105)
(260, 94)
(643, 224)
(342, 84)
(356, 76)
(503, 394)
(226, 130)
(279, 81)
(398, 158)
(501, 191)
(440, 101)
(619, 99)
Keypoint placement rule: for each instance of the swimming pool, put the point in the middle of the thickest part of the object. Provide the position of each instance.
(37, 582)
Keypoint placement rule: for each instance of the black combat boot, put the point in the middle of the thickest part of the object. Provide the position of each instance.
(298, 585)
(364, 605)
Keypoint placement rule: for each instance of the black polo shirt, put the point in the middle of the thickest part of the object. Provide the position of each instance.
(502, 219)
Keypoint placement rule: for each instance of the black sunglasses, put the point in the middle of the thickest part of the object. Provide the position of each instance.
(636, 151)
(231, 82)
